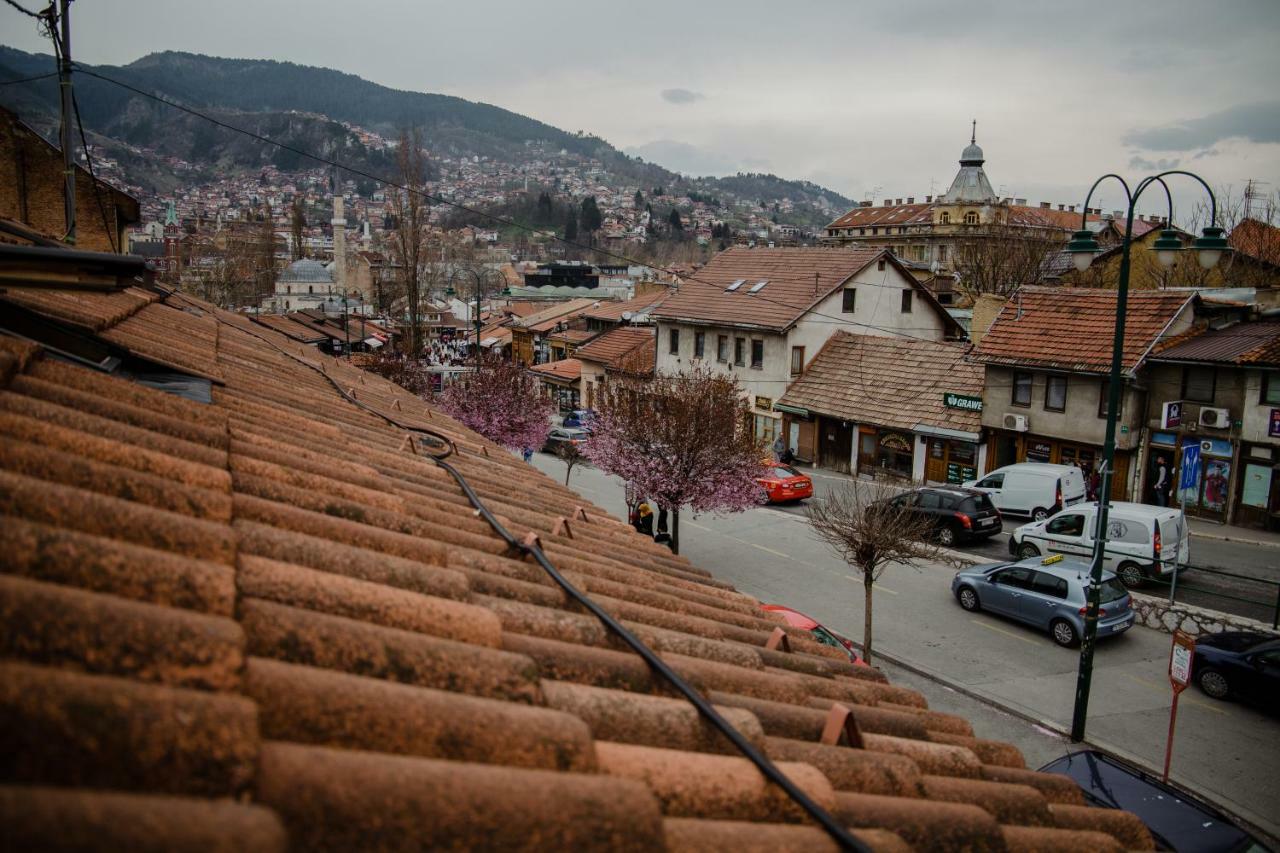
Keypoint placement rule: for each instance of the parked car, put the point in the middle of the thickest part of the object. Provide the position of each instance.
(957, 514)
(1240, 664)
(1047, 593)
(1143, 542)
(822, 634)
(1035, 489)
(579, 418)
(560, 436)
(783, 484)
(1176, 820)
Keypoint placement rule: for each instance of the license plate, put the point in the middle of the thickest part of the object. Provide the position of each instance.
(987, 522)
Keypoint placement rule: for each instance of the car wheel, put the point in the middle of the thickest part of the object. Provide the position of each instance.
(946, 536)
(1213, 683)
(1039, 514)
(968, 599)
(1026, 551)
(1131, 576)
(1064, 633)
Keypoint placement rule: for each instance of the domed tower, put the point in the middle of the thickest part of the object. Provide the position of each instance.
(970, 184)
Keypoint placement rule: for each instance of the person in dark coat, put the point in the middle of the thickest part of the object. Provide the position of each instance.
(644, 520)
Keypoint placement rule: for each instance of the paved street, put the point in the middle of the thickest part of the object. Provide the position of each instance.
(1225, 751)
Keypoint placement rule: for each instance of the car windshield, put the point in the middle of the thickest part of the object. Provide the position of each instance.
(783, 471)
(1112, 590)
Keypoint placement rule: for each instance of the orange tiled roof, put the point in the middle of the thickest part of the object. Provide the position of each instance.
(303, 332)
(1256, 239)
(1071, 328)
(1253, 343)
(268, 622)
(617, 348)
(889, 381)
(613, 311)
(572, 336)
(565, 370)
(790, 292)
(549, 317)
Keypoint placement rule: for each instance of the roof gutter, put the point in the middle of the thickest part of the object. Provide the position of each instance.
(49, 268)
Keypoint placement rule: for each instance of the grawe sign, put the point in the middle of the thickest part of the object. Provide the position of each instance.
(962, 401)
(1180, 658)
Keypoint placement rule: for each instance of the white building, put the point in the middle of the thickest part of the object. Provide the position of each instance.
(763, 314)
(303, 284)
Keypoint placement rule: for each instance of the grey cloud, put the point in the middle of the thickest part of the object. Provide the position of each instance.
(681, 96)
(1258, 122)
(1136, 162)
(685, 158)
(1208, 152)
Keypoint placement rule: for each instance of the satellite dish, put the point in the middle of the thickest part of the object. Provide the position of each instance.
(626, 315)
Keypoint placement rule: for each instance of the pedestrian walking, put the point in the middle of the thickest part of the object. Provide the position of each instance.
(779, 447)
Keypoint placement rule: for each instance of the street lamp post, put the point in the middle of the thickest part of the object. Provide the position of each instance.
(1083, 247)
(478, 278)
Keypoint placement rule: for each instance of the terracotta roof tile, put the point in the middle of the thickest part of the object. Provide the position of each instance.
(1250, 343)
(1072, 328)
(888, 381)
(612, 311)
(618, 348)
(274, 598)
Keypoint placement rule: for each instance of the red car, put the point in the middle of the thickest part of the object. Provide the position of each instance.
(822, 634)
(782, 483)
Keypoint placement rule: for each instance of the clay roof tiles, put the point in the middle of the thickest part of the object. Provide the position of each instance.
(271, 622)
(613, 311)
(889, 381)
(1256, 343)
(1072, 328)
(791, 290)
(565, 370)
(617, 348)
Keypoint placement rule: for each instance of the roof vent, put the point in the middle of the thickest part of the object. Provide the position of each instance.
(911, 200)
(758, 286)
(735, 285)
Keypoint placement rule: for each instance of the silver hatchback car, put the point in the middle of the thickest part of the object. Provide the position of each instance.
(1047, 592)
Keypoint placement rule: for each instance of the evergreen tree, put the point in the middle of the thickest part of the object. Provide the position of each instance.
(674, 220)
(545, 211)
(639, 199)
(571, 226)
(591, 219)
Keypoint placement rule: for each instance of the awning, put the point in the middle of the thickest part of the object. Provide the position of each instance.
(943, 432)
(372, 343)
(794, 410)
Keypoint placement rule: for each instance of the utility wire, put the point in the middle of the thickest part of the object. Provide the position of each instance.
(23, 9)
(28, 79)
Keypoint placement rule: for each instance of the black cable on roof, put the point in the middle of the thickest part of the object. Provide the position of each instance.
(767, 768)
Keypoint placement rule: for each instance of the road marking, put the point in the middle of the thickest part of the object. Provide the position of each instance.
(1003, 631)
(768, 550)
(1161, 688)
(696, 526)
(876, 585)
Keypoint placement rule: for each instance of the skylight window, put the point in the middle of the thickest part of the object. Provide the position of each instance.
(758, 286)
(735, 285)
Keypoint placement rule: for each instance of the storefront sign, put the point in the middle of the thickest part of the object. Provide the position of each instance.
(765, 404)
(960, 473)
(1039, 451)
(1274, 429)
(962, 401)
(895, 441)
(1171, 415)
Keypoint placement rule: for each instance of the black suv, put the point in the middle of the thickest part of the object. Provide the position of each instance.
(959, 515)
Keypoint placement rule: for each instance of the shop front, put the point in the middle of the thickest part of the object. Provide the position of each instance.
(1006, 448)
(766, 424)
(951, 460)
(886, 451)
(1258, 490)
(799, 429)
(1203, 478)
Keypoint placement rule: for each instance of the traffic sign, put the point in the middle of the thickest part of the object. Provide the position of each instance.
(1180, 658)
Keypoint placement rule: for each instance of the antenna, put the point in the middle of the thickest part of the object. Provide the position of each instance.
(1255, 195)
(973, 137)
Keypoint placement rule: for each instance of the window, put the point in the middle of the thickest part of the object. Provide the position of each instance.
(1071, 524)
(942, 253)
(797, 361)
(971, 218)
(995, 481)
(735, 285)
(906, 301)
(739, 350)
(1047, 584)
(722, 347)
(1021, 388)
(1055, 393)
(944, 219)
(1270, 388)
(699, 344)
(850, 302)
(1018, 577)
(674, 337)
(1198, 384)
(1102, 401)
(880, 266)
(929, 500)
(757, 353)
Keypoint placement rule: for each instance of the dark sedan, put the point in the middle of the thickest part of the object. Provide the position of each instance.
(561, 436)
(1240, 664)
(958, 515)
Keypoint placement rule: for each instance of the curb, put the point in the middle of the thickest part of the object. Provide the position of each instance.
(1236, 539)
(1250, 823)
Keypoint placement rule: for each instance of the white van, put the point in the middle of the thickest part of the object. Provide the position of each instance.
(1142, 541)
(1036, 489)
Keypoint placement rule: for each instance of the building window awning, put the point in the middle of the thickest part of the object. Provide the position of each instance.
(794, 410)
(944, 432)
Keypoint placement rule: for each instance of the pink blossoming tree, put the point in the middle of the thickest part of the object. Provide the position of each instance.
(501, 401)
(680, 440)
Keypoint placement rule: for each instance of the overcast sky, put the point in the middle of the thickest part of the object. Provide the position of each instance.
(866, 98)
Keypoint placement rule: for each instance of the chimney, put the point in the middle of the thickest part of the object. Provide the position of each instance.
(897, 201)
(1071, 207)
(911, 200)
(817, 286)
(1062, 207)
(1118, 214)
(1044, 205)
(1020, 202)
(928, 199)
(888, 202)
(864, 204)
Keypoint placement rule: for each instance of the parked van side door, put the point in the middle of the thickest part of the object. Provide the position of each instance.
(993, 485)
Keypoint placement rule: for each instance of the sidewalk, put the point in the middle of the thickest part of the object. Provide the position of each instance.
(1228, 533)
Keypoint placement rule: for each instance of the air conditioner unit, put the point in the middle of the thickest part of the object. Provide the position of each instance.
(1017, 423)
(1216, 418)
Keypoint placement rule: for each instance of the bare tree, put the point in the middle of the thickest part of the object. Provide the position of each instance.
(871, 526)
(572, 456)
(1001, 258)
(407, 237)
(1250, 219)
(267, 247)
(297, 222)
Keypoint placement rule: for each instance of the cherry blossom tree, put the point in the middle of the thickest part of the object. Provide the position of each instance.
(680, 440)
(501, 401)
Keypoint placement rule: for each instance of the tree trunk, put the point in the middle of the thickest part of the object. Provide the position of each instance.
(867, 584)
(568, 469)
(675, 530)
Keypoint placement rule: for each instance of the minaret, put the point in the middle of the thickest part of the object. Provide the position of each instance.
(339, 243)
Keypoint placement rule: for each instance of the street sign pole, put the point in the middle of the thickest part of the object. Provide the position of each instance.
(1180, 657)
